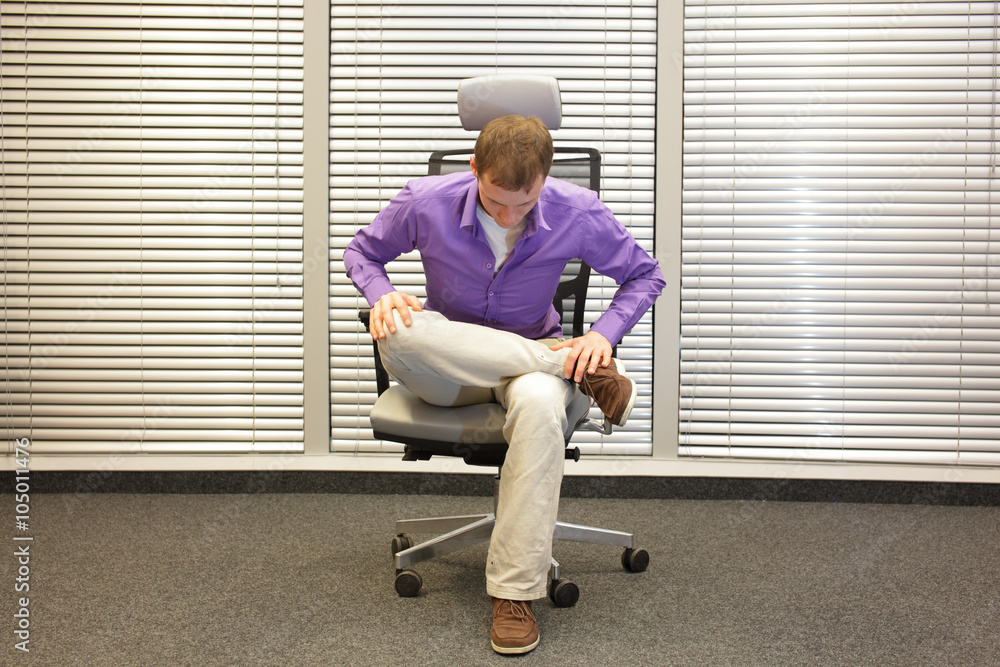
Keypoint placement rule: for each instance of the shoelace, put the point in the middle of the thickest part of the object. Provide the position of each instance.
(587, 384)
(519, 610)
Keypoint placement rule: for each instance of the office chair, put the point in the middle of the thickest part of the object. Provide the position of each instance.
(475, 432)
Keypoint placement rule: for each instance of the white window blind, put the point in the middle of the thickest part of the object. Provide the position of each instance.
(395, 74)
(840, 245)
(152, 232)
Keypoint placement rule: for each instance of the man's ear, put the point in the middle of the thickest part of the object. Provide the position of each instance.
(472, 163)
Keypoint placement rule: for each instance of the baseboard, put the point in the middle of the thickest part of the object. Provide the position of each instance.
(681, 488)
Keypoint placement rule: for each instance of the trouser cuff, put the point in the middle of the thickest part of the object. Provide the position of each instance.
(511, 594)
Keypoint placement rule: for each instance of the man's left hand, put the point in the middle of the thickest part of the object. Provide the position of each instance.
(587, 352)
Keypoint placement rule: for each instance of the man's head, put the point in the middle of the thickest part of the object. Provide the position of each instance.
(512, 158)
(514, 151)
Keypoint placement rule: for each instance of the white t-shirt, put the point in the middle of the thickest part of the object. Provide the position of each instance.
(501, 240)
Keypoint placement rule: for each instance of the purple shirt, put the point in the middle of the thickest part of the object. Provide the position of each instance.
(437, 216)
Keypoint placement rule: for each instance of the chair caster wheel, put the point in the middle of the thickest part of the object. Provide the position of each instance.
(563, 593)
(401, 543)
(635, 560)
(408, 583)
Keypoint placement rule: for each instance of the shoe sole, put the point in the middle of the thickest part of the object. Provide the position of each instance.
(631, 399)
(513, 650)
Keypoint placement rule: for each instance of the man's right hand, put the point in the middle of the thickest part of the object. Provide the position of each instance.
(380, 319)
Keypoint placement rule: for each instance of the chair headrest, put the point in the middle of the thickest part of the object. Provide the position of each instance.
(483, 98)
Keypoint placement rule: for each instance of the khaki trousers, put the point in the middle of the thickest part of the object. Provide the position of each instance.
(453, 363)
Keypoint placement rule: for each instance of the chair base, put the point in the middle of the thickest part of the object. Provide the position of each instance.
(459, 532)
(464, 531)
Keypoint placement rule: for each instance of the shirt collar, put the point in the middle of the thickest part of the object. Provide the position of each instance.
(532, 222)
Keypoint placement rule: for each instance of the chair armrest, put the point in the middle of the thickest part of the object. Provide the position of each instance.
(381, 376)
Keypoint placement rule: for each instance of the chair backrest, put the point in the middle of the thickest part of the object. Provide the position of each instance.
(581, 166)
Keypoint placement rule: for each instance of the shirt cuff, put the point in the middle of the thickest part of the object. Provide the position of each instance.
(608, 328)
(376, 289)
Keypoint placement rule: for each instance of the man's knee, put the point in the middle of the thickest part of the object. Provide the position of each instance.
(418, 322)
(397, 342)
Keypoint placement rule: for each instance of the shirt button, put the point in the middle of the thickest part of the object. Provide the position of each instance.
(489, 266)
(491, 292)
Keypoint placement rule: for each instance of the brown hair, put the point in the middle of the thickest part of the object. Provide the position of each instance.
(514, 151)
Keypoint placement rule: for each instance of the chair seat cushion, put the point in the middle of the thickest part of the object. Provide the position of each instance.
(399, 412)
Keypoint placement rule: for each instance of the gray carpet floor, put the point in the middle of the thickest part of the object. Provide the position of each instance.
(307, 579)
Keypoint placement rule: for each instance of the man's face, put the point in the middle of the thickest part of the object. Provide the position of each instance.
(505, 207)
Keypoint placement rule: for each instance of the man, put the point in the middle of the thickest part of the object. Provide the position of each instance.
(493, 243)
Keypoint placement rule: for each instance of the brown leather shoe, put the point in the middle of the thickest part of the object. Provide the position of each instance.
(514, 629)
(611, 390)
